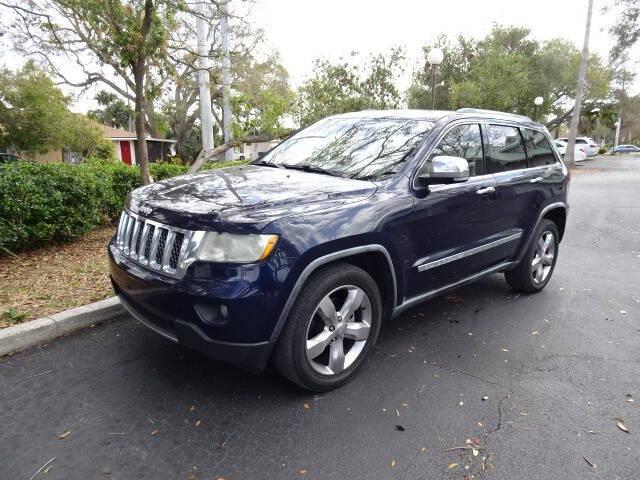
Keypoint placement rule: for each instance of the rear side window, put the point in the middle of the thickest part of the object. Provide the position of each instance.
(538, 148)
(580, 141)
(506, 149)
(464, 141)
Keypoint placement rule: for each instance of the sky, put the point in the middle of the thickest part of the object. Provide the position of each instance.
(303, 30)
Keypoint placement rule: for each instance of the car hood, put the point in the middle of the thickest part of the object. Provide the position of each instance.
(245, 195)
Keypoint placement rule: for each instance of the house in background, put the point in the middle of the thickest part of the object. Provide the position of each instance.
(159, 149)
(252, 151)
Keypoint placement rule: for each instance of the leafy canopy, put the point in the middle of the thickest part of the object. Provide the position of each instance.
(35, 116)
(345, 87)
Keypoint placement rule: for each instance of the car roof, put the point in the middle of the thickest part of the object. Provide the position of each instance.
(400, 113)
(435, 115)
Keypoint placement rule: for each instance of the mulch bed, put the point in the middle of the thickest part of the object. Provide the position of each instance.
(48, 280)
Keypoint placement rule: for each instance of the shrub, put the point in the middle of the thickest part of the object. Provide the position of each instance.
(602, 151)
(45, 203)
(161, 171)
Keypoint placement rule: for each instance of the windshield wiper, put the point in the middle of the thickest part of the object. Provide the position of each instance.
(267, 163)
(311, 168)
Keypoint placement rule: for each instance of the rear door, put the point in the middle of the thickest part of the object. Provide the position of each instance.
(526, 170)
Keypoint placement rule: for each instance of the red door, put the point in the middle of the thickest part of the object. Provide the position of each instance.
(125, 152)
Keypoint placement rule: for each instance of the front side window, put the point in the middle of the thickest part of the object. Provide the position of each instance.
(464, 141)
(506, 149)
(538, 148)
(363, 148)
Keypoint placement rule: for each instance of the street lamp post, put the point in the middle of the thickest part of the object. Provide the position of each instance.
(537, 102)
(596, 112)
(434, 58)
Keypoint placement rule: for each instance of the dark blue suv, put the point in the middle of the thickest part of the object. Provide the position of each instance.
(297, 258)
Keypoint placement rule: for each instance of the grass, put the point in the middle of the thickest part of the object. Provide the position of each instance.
(48, 280)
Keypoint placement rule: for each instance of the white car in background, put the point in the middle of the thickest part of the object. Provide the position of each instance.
(579, 153)
(590, 147)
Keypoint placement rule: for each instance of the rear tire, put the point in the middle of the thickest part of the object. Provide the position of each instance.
(536, 267)
(318, 348)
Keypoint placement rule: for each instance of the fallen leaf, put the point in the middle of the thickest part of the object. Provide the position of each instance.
(453, 465)
(400, 428)
(198, 423)
(64, 435)
(192, 408)
(524, 414)
(623, 312)
(423, 449)
(393, 463)
(397, 412)
(535, 333)
(484, 399)
(155, 432)
(504, 349)
(628, 398)
(591, 464)
(461, 404)
(306, 406)
(623, 427)
(302, 472)
(475, 452)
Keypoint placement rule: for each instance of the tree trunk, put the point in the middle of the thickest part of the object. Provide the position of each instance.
(150, 114)
(575, 117)
(142, 155)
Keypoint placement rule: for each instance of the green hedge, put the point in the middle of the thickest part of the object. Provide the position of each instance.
(46, 203)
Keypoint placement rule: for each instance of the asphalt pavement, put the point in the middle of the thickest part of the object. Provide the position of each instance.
(483, 383)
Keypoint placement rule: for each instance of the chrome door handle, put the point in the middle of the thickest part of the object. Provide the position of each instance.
(536, 180)
(482, 191)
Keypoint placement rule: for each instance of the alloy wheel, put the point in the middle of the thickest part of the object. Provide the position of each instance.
(543, 256)
(338, 330)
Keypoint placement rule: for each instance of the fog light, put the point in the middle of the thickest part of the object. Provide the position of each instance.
(211, 314)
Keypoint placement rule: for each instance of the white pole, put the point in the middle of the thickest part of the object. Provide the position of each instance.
(618, 125)
(575, 117)
(206, 120)
(226, 78)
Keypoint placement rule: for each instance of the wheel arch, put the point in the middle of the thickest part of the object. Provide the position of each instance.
(374, 259)
(558, 215)
(554, 211)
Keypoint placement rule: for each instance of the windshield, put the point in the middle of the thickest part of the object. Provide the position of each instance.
(364, 148)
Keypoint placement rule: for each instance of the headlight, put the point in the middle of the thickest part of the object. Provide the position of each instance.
(228, 247)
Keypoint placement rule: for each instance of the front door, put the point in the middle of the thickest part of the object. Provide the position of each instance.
(452, 232)
(125, 151)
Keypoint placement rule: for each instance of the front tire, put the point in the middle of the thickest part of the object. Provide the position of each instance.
(536, 267)
(331, 328)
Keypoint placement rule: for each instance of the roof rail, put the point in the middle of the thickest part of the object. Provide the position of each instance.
(493, 112)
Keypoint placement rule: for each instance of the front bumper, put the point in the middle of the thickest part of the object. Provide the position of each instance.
(188, 311)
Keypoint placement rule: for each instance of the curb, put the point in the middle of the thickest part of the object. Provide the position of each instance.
(18, 337)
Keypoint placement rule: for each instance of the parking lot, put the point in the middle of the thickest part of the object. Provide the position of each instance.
(482, 383)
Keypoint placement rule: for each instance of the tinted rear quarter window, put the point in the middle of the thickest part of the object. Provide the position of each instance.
(539, 150)
(506, 149)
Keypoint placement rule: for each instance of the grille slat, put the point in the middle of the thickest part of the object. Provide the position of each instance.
(175, 250)
(162, 240)
(154, 245)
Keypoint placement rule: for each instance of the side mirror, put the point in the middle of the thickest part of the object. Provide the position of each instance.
(445, 169)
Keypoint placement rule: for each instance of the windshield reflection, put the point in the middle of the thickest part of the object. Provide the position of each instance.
(363, 148)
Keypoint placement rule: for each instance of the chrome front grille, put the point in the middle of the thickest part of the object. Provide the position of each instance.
(156, 246)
